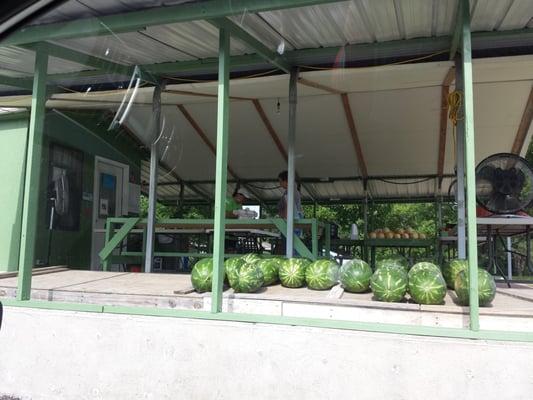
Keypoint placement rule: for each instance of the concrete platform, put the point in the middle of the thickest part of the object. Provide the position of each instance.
(512, 309)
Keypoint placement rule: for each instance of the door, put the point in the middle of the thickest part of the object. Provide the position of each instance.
(109, 200)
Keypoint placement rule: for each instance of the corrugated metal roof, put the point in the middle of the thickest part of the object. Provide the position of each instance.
(327, 25)
(396, 108)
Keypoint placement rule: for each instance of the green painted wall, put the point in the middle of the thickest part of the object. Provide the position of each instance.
(13, 136)
(85, 131)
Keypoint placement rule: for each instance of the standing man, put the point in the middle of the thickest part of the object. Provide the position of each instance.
(282, 205)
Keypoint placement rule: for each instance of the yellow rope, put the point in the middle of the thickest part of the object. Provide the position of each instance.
(455, 101)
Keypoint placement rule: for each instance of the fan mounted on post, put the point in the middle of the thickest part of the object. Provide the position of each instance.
(504, 183)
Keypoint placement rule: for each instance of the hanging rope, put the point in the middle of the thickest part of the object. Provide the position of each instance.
(455, 102)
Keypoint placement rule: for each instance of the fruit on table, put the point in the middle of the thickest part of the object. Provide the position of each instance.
(389, 284)
(485, 283)
(202, 275)
(292, 272)
(322, 274)
(427, 286)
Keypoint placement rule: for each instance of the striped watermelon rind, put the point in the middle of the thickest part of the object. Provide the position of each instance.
(231, 265)
(322, 274)
(355, 276)
(390, 262)
(427, 286)
(270, 269)
(202, 275)
(292, 272)
(486, 288)
(389, 283)
(423, 266)
(246, 278)
(251, 257)
(451, 269)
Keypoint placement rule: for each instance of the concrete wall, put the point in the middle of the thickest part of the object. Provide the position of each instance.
(67, 355)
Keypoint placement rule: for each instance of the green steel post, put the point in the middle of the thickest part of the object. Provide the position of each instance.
(32, 177)
(470, 165)
(314, 238)
(221, 169)
(108, 232)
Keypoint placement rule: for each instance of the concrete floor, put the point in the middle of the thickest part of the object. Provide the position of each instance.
(512, 307)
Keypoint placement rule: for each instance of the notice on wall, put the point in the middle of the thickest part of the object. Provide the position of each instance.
(104, 207)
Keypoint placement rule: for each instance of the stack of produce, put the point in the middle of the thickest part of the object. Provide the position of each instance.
(401, 233)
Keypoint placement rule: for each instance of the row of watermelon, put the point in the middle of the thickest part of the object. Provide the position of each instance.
(391, 281)
(248, 273)
(425, 282)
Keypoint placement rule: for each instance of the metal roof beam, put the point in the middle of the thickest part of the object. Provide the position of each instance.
(135, 20)
(525, 124)
(457, 31)
(23, 83)
(240, 34)
(354, 135)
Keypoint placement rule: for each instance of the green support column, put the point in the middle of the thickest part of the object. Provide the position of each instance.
(32, 177)
(221, 169)
(470, 164)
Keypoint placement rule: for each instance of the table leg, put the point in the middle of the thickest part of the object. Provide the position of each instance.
(314, 238)
(528, 249)
(373, 257)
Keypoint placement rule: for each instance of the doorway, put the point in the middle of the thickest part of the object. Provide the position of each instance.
(110, 199)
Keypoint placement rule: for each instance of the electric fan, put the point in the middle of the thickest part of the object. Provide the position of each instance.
(504, 183)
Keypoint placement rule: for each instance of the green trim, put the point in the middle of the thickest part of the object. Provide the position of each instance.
(470, 165)
(221, 172)
(137, 20)
(243, 36)
(23, 83)
(510, 336)
(117, 238)
(30, 208)
(65, 53)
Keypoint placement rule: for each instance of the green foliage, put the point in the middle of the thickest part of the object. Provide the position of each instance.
(163, 211)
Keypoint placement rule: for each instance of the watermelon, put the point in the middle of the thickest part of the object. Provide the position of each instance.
(426, 285)
(322, 274)
(231, 264)
(391, 262)
(270, 268)
(251, 257)
(389, 283)
(423, 266)
(202, 275)
(246, 278)
(292, 272)
(486, 287)
(399, 259)
(355, 276)
(451, 269)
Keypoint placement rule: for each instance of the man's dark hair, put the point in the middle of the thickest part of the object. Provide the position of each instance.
(283, 176)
